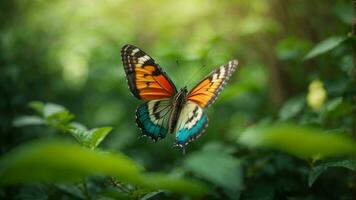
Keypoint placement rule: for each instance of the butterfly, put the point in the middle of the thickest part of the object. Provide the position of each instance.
(167, 110)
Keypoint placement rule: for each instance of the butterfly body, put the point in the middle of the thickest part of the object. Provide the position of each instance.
(177, 104)
(167, 110)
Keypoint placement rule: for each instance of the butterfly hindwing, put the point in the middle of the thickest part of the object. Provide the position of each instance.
(153, 117)
(206, 92)
(146, 80)
(191, 123)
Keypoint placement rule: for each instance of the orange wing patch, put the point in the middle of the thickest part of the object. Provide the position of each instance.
(206, 92)
(146, 80)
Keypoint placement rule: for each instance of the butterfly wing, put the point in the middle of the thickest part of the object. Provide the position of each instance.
(191, 124)
(206, 92)
(152, 118)
(146, 80)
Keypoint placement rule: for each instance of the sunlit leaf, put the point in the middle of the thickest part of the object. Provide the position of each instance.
(61, 161)
(324, 46)
(28, 120)
(318, 170)
(60, 117)
(91, 138)
(217, 167)
(58, 161)
(299, 141)
(37, 106)
(50, 109)
(78, 126)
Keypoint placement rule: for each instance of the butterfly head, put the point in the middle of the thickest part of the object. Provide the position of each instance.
(180, 97)
(184, 90)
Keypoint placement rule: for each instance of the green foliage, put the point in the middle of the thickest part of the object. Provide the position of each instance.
(91, 138)
(49, 114)
(296, 71)
(59, 161)
(324, 46)
(300, 141)
(73, 163)
(217, 167)
(316, 171)
(292, 108)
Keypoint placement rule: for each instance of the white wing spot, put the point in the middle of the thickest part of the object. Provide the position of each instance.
(215, 76)
(134, 51)
(222, 72)
(143, 59)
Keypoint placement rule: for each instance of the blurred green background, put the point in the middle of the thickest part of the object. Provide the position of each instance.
(296, 70)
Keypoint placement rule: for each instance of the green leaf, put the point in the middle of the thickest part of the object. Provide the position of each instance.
(60, 120)
(336, 108)
(59, 161)
(174, 184)
(28, 120)
(217, 167)
(50, 109)
(109, 194)
(299, 141)
(292, 107)
(318, 170)
(324, 46)
(37, 106)
(62, 161)
(77, 125)
(150, 195)
(91, 138)
(292, 48)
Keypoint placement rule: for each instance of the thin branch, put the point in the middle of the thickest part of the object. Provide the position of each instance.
(118, 185)
(85, 190)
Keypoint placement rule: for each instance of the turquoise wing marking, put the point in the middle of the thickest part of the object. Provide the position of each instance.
(191, 124)
(152, 118)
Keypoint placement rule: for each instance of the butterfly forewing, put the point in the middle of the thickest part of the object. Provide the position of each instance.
(146, 80)
(206, 92)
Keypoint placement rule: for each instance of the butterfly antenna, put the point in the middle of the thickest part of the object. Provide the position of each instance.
(194, 74)
(181, 76)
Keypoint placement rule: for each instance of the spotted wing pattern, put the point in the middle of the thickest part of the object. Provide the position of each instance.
(152, 118)
(146, 80)
(191, 124)
(206, 92)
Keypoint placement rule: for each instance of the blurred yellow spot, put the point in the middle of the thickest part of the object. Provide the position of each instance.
(75, 70)
(316, 95)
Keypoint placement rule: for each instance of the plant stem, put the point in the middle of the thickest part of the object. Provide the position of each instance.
(85, 190)
(118, 185)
